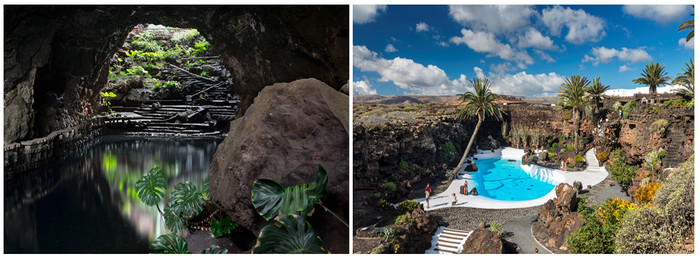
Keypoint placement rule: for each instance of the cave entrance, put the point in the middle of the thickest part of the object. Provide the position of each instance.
(167, 80)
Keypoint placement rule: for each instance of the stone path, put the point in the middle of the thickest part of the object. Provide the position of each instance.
(448, 241)
(519, 231)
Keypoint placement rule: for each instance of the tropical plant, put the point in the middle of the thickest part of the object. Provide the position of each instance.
(171, 244)
(407, 206)
(224, 226)
(390, 186)
(572, 94)
(448, 152)
(404, 165)
(202, 47)
(595, 93)
(688, 25)
(687, 80)
(106, 97)
(167, 84)
(620, 171)
(653, 75)
(291, 233)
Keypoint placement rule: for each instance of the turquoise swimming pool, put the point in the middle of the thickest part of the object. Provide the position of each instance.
(503, 179)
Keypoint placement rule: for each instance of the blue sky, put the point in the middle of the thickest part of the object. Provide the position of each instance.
(525, 50)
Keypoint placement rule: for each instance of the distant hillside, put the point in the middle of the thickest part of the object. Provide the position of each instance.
(416, 99)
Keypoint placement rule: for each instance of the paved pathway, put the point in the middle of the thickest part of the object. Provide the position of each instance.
(520, 232)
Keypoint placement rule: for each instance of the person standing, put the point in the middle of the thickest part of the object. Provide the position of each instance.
(427, 195)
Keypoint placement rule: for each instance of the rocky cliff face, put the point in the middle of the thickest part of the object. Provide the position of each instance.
(558, 219)
(289, 130)
(57, 56)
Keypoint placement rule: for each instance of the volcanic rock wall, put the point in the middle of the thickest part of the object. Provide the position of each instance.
(56, 57)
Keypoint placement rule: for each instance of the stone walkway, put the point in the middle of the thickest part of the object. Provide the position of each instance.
(519, 231)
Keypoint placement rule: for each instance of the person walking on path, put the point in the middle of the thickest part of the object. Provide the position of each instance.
(427, 195)
(454, 202)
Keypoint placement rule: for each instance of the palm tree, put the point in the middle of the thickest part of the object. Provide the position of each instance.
(480, 103)
(687, 80)
(688, 25)
(595, 93)
(572, 94)
(653, 75)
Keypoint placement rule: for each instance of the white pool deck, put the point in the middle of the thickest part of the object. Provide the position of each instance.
(591, 176)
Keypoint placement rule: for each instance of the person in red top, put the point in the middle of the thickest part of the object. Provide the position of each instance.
(427, 195)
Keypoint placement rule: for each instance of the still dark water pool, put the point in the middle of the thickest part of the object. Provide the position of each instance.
(86, 202)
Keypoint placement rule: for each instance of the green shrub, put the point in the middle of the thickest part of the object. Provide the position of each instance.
(659, 126)
(570, 147)
(579, 159)
(185, 37)
(407, 206)
(551, 156)
(202, 48)
(570, 165)
(665, 226)
(145, 44)
(592, 237)
(555, 145)
(221, 227)
(404, 219)
(602, 157)
(383, 204)
(448, 152)
(617, 106)
(378, 250)
(496, 227)
(621, 172)
(390, 186)
(404, 165)
(416, 169)
(167, 84)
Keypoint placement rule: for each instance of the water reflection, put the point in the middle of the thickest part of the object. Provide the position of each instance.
(86, 202)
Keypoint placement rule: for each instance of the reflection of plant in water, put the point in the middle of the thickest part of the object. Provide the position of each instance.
(291, 233)
(185, 202)
(109, 162)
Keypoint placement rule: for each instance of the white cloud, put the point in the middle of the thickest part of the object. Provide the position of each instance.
(366, 13)
(362, 87)
(420, 27)
(582, 26)
(405, 73)
(479, 73)
(662, 14)
(624, 68)
(527, 85)
(535, 39)
(486, 42)
(690, 45)
(502, 68)
(443, 44)
(605, 55)
(390, 48)
(493, 18)
(544, 56)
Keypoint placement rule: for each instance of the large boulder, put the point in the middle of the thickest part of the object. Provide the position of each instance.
(416, 238)
(286, 133)
(566, 197)
(483, 241)
(557, 219)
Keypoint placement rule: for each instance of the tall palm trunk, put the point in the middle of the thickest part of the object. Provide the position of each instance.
(576, 127)
(469, 146)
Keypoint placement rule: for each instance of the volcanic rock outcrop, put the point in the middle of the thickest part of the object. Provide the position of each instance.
(289, 130)
(558, 218)
(58, 56)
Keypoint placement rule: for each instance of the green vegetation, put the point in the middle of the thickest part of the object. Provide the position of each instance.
(185, 202)
(496, 227)
(404, 165)
(651, 159)
(390, 186)
(569, 147)
(645, 194)
(404, 219)
(166, 84)
(666, 224)
(579, 159)
(572, 95)
(224, 226)
(627, 108)
(289, 206)
(383, 204)
(600, 223)
(653, 75)
(659, 126)
(602, 157)
(105, 99)
(186, 37)
(202, 47)
(480, 103)
(688, 25)
(594, 93)
(687, 80)
(617, 106)
(407, 206)
(448, 152)
(620, 171)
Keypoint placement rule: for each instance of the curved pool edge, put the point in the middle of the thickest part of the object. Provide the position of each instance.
(591, 176)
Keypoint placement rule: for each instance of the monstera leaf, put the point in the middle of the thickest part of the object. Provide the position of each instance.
(214, 249)
(171, 244)
(290, 235)
(151, 187)
(186, 200)
(174, 222)
(271, 200)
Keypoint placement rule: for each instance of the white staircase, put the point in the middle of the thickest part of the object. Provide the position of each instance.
(448, 241)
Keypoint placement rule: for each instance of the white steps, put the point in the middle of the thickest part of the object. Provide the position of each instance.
(448, 241)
